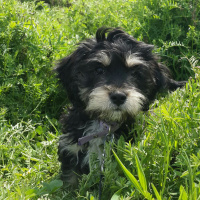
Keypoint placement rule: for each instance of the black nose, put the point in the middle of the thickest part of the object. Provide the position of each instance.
(118, 98)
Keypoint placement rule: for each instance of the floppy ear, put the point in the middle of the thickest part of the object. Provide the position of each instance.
(164, 80)
(68, 72)
(173, 85)
(65, 69)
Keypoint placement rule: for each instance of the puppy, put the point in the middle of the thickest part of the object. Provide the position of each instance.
(108, 79)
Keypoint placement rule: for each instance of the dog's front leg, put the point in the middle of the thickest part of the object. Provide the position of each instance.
(70, 154)
(71, 157)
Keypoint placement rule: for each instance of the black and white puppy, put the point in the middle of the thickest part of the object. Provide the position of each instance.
(108, 79)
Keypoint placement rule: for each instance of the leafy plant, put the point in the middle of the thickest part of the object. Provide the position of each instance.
(164, 155)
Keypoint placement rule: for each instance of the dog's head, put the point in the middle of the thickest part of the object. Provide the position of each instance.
(113, 76)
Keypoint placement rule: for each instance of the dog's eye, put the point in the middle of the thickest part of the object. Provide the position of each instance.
(99, 70)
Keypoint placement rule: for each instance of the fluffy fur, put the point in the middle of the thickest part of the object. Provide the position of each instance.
(109, 78)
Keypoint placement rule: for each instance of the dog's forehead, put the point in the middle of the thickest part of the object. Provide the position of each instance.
(107, 57)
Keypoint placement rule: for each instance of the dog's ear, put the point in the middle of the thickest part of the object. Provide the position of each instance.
(164, 80)
(65, 73)
(68, 70)
(173, 85)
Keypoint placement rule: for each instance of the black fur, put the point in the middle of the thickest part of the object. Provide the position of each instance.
(114, 70)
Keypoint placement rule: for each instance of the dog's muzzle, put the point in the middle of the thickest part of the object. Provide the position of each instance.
(111, 104)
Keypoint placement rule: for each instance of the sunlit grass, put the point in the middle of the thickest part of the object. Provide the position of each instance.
(164, 156)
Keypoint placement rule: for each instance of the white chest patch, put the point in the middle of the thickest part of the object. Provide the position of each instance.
(93, 127)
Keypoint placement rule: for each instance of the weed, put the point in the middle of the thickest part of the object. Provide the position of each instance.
(163, 161)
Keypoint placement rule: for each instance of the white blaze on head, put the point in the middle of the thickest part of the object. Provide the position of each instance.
(133, 59)
(101, 57)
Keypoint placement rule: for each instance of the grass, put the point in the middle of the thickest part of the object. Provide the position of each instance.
(163, 162)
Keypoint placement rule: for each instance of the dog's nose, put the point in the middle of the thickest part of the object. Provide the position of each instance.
(118, 98)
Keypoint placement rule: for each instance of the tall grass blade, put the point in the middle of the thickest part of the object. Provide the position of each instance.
(191, 176)
(141, 174)
(156, 192)
(183, 194)
(133, 180)
(140, 186)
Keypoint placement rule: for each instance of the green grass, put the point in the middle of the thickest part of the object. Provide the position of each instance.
(163, 161)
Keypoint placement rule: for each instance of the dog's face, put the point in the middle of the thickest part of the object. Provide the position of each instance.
(113, 86)
(111, 78)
